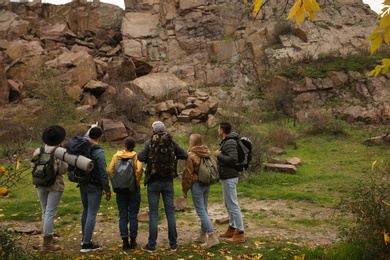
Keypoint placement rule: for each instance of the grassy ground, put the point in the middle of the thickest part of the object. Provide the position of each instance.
(286, 216)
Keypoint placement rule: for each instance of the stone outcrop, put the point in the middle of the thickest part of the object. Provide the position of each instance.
(165, 51)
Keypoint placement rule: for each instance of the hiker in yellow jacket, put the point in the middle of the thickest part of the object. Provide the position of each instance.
(128, 202)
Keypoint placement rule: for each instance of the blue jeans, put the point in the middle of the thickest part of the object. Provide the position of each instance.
(230, 200)
(128, 206)
(49, 199)
(165, 188)
(200, 196)
(91, 197)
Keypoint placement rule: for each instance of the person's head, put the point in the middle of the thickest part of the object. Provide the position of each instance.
(158, 127)
(95, 133)
(129, 143)
(224, 129)
(53, 135)
(195, 140)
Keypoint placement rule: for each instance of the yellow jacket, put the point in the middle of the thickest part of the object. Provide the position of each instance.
(126, 154)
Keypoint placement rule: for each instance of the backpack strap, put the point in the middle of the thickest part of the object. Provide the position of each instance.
(42, 149)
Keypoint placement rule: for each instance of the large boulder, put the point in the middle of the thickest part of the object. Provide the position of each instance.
(79, 67)
(157, 86)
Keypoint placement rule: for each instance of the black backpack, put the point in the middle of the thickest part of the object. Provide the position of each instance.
(123, 180)
(80, 146)
(162, 155)
(244, 150)
(43, 173)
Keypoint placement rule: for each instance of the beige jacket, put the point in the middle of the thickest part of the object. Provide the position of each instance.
(190, 175)
(60, 167)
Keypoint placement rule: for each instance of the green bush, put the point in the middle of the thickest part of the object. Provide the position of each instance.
(321, 122)
(9, 246)
(370, 206)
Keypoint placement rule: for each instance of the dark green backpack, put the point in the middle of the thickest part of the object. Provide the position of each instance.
(43, 173)
(207, 172)
(162, 155)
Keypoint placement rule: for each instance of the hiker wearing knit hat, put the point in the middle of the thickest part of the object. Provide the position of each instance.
(160, 154)
(158, 127)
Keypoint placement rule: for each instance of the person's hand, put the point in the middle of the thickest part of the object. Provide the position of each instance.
(95, 125)
(217, 152)
(108, 196)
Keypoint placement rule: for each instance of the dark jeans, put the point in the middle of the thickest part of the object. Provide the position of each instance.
(165, 188)
(91, 197)
(128, 206)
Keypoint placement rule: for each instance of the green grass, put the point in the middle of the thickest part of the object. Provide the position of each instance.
(318, 68)
(331, 166)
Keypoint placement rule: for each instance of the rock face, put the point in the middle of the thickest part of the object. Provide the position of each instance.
(166, 50)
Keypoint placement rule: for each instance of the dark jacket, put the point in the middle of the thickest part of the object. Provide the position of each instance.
(99, 159)
(143, 156)
(228, 157)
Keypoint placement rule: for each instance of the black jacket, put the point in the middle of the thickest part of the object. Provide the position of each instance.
(143, 156)
(228, 158)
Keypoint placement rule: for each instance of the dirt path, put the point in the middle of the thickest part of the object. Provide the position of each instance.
(299, 222)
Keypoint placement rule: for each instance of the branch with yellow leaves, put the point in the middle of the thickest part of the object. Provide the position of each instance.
(381, 35)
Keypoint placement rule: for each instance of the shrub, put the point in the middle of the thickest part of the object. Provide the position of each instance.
(58, 107)
(279, 99)
(370, 207)
(9, 246)
(321, 122)
(281, 137)
(129, 104)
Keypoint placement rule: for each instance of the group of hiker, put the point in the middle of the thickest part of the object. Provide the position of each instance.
(159, 154)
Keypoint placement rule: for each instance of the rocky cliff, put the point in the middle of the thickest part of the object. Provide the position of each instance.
(180, 54)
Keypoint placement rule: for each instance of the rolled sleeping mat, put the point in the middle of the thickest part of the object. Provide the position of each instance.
(79, 161)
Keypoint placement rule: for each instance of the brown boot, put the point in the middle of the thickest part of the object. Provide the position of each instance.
(229, 232)
(201, 238)
(48, 244)
(211, 241)
(237, 238)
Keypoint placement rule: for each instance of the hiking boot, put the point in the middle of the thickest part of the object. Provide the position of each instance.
(89, 247)
(228, 233)
(146, 248)
(133, 243)
(174, 248)
(201, 238)
(48, 245)
(237, 238)
(211, 241)
(125, 245)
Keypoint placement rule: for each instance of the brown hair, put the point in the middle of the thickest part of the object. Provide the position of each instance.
(130, 143)
(195, 140)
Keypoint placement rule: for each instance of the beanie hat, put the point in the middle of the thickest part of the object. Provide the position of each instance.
(158, 127)
(95, 133)
(53, 135)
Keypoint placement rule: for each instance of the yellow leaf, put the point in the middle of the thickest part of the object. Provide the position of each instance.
(300, 16)
(374, 165)
(18, 163)
(294, 9)
(3, 170)
(245, 1)
(3, 191)
(299, 257)
(386, 237)
(376, 43)
(14, 215)
(256, 9)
